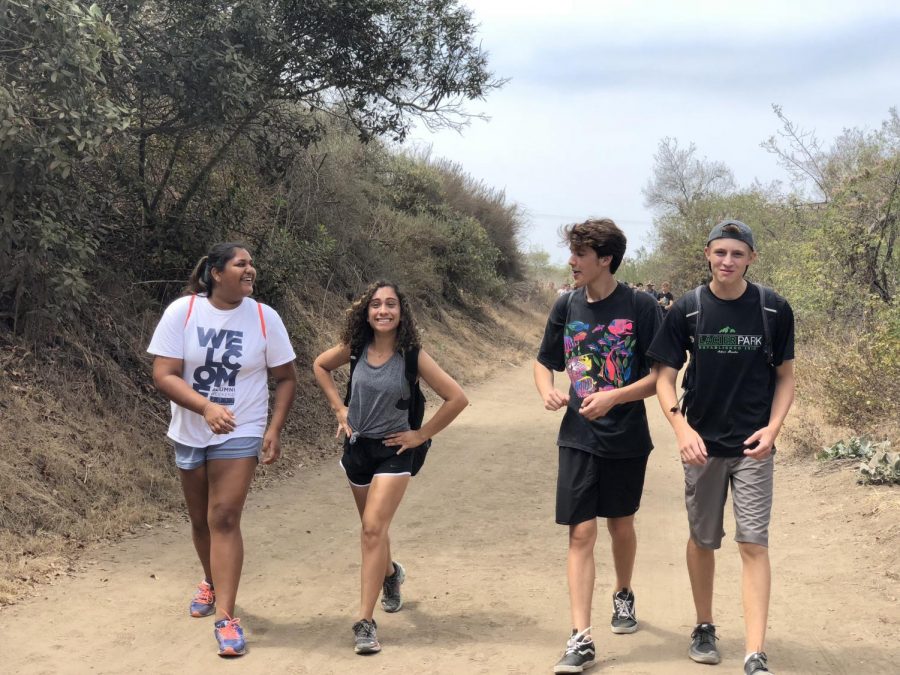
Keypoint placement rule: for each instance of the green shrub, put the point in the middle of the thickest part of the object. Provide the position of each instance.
(883, 468)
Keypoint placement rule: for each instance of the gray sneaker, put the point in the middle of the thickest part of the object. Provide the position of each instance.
(703, 644)
(580, 654)
(366, 640)
(390, 595)
(623, 618)
(756, 664)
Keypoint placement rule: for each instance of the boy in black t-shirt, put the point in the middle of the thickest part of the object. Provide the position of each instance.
(599, 334)
(740, 393)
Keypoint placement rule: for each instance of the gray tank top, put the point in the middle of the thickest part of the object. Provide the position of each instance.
(375, 396)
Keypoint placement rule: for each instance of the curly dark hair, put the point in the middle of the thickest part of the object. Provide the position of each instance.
(357, 332)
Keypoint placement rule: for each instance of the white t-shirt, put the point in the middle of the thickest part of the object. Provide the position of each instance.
(225, 358)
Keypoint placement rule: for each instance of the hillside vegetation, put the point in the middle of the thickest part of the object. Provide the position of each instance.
(135, 134)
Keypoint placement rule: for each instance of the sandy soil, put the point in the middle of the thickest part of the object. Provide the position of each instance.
(486, 590)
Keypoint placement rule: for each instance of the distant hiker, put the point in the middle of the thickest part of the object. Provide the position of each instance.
(739, 387)
(385, 441)
(214, 348)
(599, 335)
(650, 290)
(665, 297)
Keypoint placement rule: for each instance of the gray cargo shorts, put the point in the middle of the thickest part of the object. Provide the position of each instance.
(705, 490)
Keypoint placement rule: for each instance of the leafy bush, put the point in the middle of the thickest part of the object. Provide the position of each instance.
(879, 465)
(883, 468)
(856, 448)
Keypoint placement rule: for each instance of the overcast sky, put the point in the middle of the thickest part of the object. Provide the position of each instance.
(596, 84)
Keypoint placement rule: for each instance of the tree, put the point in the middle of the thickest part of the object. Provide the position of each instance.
(56, 117)
(681, 180)
(260, 67)
(119, 129)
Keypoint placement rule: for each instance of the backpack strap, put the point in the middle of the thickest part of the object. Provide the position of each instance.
(354, 359)
(568, 305)
(190, 309)
(767, 305)
(692, 315)
(411, 361)
(262, 320)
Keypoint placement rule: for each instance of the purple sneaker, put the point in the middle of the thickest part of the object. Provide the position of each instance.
(204, 601)
(230, 637)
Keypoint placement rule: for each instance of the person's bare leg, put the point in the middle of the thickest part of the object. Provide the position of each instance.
(229, 482)
(580, 571)
(701, 564)
(624, 549)
(360, 492)
(195, 486)
(382, 501)
(756, 582)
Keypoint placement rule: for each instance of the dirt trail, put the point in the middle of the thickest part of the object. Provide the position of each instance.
(486, 591)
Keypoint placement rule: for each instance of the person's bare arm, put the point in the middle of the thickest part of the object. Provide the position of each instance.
(781, 404)
(448, 389)
(690, 446)
(324, 364)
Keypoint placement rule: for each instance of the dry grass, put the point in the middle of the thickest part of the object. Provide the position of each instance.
(874, 510)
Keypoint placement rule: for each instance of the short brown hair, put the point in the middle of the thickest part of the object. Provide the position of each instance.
(602, 235)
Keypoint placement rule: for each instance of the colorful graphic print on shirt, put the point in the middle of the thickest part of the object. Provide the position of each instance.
(599, 358)
(217, 377)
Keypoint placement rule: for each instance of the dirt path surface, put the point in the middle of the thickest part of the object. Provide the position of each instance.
(486, 590)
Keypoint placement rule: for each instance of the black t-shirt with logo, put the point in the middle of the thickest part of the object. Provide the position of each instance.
(602, 345)
(734, 384)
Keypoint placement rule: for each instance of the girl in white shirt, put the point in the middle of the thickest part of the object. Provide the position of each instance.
(215, 349)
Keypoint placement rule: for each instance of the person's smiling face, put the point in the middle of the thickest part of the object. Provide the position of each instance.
(384, 310)
(728, 259)
(236, 280)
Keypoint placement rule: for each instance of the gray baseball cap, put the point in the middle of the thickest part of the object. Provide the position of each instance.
(737, 230)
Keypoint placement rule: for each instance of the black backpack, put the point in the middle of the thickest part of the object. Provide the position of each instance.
(416, 401)
(693, 313)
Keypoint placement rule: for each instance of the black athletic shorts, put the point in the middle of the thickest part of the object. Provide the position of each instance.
(368, 457)
(589, 486)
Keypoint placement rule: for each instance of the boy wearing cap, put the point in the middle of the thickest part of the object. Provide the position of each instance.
(599, 335)
(740, 388)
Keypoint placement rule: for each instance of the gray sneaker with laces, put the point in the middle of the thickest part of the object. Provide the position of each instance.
(390, 591)
(703, 644)
(580, 653)
(366, 640)
(756, 664)
(624, 619)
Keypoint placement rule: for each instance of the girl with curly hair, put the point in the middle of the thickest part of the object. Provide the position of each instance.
(380, 448)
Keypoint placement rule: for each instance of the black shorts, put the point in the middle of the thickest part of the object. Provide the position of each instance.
(590, 487)
(368, 457)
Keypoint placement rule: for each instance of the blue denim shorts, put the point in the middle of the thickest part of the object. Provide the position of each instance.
(189, 458)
